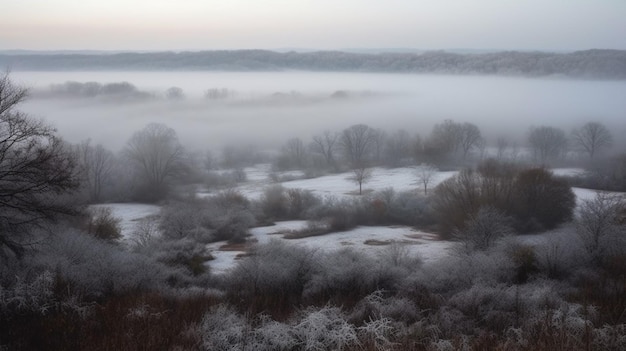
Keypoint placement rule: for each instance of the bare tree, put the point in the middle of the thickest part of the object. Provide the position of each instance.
(600, 225)
(96, 164)
(469, 138)
(36, 167)
(502, 144)
(425, 174)
(360, 175)
(398, 148)
(175, 93)
(447, 136)
(326, 145)
(295, 152)
(547, 143)
(158, 156)
(591, 138)
(378, 144)
(357, 142)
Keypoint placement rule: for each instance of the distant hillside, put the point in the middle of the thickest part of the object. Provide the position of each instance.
(592, 64)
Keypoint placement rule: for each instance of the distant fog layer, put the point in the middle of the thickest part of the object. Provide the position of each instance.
(267, 108)
(592, 64)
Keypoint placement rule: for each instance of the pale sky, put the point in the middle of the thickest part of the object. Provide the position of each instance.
(314, 24)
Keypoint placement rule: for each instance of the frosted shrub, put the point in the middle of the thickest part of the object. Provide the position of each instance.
(273, 276)
(600, 226)
(560, 255)
(180, 219)
(484, 228)
(271, 335)
(325, 329)
(186, 253)
(609, 338)
(103, 225)
(409, 209)
(466, 269)
(233, 225)
(339, 214)
(376, 333)
(300, 203)
(145, 231)
(223, 329)
(28, 296)
(376, 306)
(345, 275)
(274, 202)
(98, 268)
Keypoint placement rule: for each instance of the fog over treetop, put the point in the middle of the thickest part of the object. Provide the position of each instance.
(267, 108)
(594, 64)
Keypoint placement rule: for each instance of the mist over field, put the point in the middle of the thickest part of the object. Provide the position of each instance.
(266, 108)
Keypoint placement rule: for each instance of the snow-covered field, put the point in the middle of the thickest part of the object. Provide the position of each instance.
(371, 240)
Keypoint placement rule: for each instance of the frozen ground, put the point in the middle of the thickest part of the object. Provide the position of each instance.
(371, 240)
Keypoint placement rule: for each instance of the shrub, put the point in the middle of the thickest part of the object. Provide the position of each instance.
(274, 202)
(600, 226)
(541, 201)
(103, 225)
(272, 278)
(534, 198)
(344, 278)
(483, 229)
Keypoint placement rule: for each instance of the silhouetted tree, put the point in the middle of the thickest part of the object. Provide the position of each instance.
(96, 165)
(470, 138)
(542, 201)
(425, 174)
(36, 167)
(398, 148)
(357, 143)
(158, 156)
(175, 93)
(361, 174)
(326, 145)
(294, 152)
(547, 143)
(591, 138)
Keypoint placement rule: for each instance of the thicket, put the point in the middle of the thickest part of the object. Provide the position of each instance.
(534, 199)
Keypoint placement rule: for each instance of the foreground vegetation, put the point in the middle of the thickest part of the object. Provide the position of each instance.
(67, 281)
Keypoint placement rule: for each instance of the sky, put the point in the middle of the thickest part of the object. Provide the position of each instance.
(557, 25)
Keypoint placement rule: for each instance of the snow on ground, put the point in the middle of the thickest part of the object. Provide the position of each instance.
(568, 172)
(400, 179)
(369, 240)
(340, 184)
(424, 245)
(129, 215)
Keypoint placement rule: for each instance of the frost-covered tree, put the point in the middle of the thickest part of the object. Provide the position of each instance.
(361, 174)
(425, 175)
(601, 225)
